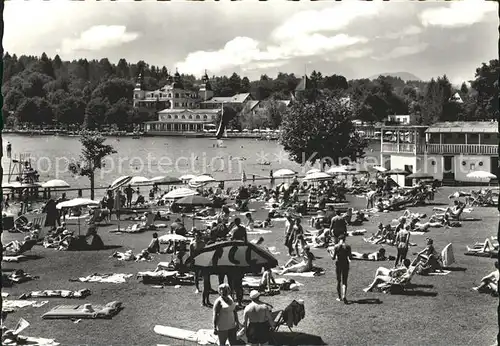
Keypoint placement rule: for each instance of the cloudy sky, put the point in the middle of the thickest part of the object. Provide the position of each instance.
(355, 39)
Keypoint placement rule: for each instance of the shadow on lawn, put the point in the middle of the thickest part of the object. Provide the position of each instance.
(415, 293)
(455, 269)
(365, 301)
(295, 338)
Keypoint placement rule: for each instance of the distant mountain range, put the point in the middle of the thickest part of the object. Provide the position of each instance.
(406, 76)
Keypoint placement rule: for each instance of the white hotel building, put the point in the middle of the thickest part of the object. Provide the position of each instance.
(447, 151)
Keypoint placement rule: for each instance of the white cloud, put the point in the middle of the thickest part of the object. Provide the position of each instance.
(457, 14)
(403, 51)
(242, 51)
(330, 19)
(98, 37)
(299, 36)
(408, 31)
(350, 54)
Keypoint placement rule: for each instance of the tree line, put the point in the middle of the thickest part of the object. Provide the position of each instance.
(95, 93)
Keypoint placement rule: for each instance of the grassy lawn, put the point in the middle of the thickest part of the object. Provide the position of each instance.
(443, 310)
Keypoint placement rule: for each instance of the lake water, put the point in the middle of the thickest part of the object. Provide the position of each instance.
(156, 156)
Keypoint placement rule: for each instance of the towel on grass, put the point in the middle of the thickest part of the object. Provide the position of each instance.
(418, 233)
(13, 258)
(14, 305)
(306, 274)
(105, 278)
(259, 231)
(254, 281)
(56, 294)
(440, 273)
(33, 341)
(357, 232)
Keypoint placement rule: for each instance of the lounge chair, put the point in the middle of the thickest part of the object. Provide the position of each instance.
(289, 316)
(397, 285)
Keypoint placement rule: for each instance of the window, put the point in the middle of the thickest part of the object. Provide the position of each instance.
(170, 95)
(176, 104)
(190, 117)
(472, 166)
(176, 95)
(205, 117)
(136, 96)
(169, 116)
(161, 95)
(183, 117)
(176, 117)
(197, 117)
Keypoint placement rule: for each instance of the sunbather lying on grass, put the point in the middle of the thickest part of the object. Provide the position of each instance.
(18, 247)
(129, 256)
(298, 265)
(385, 275)
(386, 235)
(489, 284)
(379, 255)
(487, 246)
(409, 215)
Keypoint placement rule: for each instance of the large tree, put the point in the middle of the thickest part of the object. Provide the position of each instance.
(486, 86)
(322, 130)
(93, 153)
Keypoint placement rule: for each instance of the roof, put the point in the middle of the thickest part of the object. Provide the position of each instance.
(252, 104)
(285, 102)
(238, 98)
(464, 127)
(194, 111)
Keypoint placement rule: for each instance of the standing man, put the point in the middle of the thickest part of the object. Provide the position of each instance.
(338, 226)
(194, 248)
(128, 192)
(342, 255)
(258, 320)
(402, 243)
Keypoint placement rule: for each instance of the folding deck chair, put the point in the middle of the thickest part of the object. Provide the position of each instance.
(282, 317)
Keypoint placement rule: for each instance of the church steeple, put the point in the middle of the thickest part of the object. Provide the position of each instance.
(139, 82)
(177, 84)
(206, 91)
(206, 82)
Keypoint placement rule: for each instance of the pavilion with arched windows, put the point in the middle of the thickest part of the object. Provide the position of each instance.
(182, 121)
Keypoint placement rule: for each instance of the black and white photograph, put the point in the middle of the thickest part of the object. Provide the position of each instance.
(250, 172)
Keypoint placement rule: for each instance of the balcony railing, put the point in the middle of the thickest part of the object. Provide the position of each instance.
(474, 149)
(402, 148)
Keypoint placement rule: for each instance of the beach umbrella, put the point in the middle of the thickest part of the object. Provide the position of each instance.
(245, 130)
(179, 193)
(313, 170)
(55, 183)
(337, 170)
(420, 175)
(171, 237)
(396, 171)
(194, 200)
(318, 176)
(202, 179)
(377, 169)
(256, 130)
(165, 180)
(481, 175)
(139, 181)
(120, 182)
(187, 177)
(77, 202)
(284, 173)
(230, 256)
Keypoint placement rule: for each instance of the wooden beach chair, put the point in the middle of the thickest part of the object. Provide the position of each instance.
(289, 316)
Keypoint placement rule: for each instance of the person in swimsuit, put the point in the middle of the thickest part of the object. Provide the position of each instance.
(338, 226)
(194, 248)
(342, 256)
(402, 243)
(225, 317)
(258, 320)
(490, 282)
